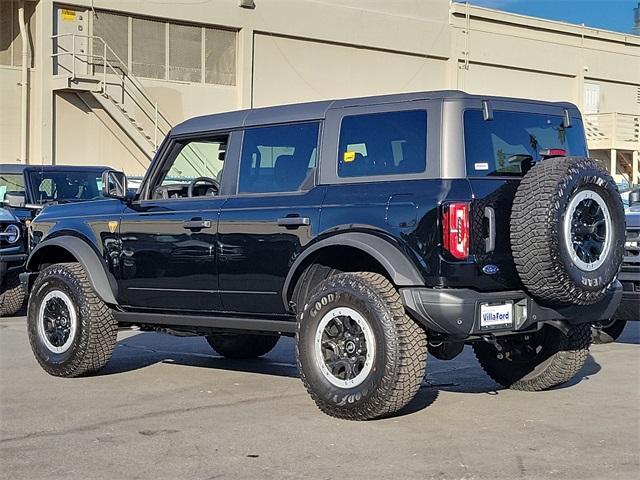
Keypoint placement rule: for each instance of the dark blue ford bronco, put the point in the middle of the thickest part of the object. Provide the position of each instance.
(24, 191)
(374, 230)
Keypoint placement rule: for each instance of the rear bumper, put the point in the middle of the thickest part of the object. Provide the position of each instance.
(456, 312)
(630, 306)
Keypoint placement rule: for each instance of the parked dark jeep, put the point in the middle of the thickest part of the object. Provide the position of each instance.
(24, 191)
(372, 229)
(13, 253)
(629, 310)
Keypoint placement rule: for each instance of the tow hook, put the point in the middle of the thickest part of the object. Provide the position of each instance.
(500, 349)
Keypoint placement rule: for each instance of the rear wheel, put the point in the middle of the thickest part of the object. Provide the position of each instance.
(245, 345)
(359, 355)
(535, 361)
(12, 298)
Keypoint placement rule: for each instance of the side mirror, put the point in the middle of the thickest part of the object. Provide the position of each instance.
(114, 184)
(634, 197)
(15, 199)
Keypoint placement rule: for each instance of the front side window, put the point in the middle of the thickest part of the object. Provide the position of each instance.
(192, 160)
(389, 143)
(12, 183)
(65, 186)
(277, 158)
(510, 143)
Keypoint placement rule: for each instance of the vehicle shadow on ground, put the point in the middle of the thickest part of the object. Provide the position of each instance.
(631, 334)
(146, 349)
(461, 375)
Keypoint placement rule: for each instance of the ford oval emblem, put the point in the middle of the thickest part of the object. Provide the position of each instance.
(490, 269)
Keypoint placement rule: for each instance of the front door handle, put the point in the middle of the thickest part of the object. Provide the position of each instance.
(195, 224)
(293, 221)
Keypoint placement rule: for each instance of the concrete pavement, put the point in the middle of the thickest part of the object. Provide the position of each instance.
(169, 408)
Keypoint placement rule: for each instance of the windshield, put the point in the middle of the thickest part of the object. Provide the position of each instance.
(65, 186)
(10, 182)
(512, 141)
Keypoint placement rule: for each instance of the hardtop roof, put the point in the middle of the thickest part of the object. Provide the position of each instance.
(318, 110)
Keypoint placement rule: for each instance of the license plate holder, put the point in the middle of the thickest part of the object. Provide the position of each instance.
(496, 315)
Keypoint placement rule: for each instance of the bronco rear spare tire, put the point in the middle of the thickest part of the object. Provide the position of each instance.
(567, 231)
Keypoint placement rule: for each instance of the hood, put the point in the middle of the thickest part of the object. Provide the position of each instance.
(7, 216)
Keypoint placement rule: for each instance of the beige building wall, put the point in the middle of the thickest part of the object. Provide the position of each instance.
(301, 50)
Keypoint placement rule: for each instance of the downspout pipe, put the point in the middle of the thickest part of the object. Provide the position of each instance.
(24, 84)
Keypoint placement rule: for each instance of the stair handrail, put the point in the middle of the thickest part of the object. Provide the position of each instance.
(154, 115)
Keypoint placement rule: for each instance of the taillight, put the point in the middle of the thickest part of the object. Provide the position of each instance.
(553, 152)
(455, 229)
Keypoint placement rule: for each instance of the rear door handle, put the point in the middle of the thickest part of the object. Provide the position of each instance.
(196, 224)
(490, 240)
(293, 221)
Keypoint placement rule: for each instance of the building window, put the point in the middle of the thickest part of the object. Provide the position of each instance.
(114, 30)
(148, 48)
(10, 39)
(185, 53)
(220, 56)
(167, 50)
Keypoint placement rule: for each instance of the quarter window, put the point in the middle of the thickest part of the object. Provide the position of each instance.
(389, 143)
(278, 158)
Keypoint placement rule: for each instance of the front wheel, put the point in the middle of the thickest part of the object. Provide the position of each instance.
(536, 361)
(359, 355)
(71, 330)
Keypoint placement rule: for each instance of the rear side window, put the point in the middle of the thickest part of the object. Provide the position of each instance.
(278, 158)
(512, 141)
(390, 143)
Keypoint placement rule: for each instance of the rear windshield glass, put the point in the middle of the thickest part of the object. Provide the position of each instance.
(10, 183)
(512, 141)
(65, 186)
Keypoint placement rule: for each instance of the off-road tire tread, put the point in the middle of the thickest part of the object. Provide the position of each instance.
(94, 315)
(534, 235)
(12, 299)
(564, 364)
(405, 338)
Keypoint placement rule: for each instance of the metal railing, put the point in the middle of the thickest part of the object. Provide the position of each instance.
(113, 69)
(613, 130)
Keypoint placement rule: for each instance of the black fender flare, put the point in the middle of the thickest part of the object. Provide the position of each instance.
(401, 269)
(101, 279)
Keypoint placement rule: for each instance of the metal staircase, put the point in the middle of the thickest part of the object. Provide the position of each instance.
(87, 66)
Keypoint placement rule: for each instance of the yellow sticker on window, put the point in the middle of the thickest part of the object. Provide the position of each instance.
(68, 15)
(349, 157)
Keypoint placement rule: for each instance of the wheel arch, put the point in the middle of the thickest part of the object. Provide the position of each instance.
(68, 248)
(392, 262)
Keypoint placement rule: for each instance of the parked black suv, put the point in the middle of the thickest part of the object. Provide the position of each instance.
(629, 310)
(24, 191)
(372, 229)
